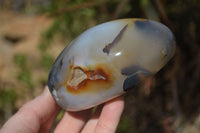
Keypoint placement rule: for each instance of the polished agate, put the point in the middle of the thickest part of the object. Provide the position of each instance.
(108, 60)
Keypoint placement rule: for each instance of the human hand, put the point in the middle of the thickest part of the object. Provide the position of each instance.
(38, 115)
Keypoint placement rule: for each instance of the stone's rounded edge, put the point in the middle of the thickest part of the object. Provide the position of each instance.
(150, 26)
(172, 46)
(50, 82)
(143, 25)
(74, 109)
(158, 31)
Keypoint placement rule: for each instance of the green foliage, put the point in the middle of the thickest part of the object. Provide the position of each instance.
(25, 76)
(149, 10)
(51, 31)
(43, 46)
(46, 61)
(7, 96)
(66, 25)
(60, 115)
(20, 60)
(25, 73)
(125, 125)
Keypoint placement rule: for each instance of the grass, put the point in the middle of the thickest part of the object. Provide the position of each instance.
(46, 61)
(25, 74)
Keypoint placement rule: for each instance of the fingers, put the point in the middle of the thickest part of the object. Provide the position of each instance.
(110, 116)
(43, 106)
(45, 127)
(73, 122)
(33, 114)
(39, 114)
(103, 120)
(91, 124)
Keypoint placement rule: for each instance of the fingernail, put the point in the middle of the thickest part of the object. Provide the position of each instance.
(46, 91)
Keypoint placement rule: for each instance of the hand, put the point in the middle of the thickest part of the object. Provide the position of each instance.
(38, 115)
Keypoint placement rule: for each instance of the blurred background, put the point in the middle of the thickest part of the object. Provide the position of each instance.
(34, 32)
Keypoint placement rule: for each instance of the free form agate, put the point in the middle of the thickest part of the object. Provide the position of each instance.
(108, 60)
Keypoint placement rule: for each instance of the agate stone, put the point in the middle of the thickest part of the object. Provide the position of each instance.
(108, 60)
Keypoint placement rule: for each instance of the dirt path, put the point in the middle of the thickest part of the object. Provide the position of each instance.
(19, 34)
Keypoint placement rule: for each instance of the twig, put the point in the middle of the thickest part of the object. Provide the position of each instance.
(175, 97)
(80, 6)
(162, 12)
(173, 83)
(119, 8)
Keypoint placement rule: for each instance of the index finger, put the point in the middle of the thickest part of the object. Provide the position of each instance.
(110, 116)
(32, 116)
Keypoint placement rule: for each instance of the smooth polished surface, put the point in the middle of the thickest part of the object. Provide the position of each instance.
(108, 60)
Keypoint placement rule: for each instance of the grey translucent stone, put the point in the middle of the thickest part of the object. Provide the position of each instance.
(108, 60)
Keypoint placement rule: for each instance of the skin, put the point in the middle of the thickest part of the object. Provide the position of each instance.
(38, 115)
